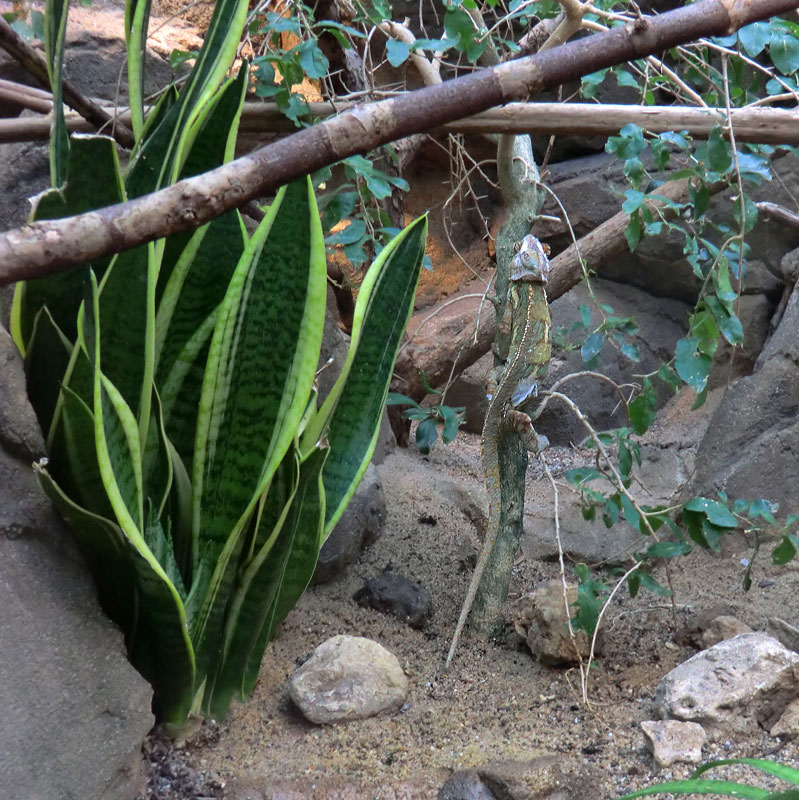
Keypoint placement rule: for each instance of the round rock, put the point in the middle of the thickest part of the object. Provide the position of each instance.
(348, 678)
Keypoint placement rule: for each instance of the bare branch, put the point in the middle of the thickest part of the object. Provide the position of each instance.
(45, 247)
(751, 124)
(34, 62)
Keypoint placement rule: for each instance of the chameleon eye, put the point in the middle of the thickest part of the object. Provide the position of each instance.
(547, 249)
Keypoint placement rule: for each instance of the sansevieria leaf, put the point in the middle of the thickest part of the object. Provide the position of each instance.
(257, 383)
(351, 413)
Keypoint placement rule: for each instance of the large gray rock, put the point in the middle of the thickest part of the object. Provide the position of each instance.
(750, 446)
(732, 687)
(348, 678)
(74, 711)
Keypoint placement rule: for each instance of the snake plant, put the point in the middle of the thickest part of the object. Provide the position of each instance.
(708, 787)
(175, 386)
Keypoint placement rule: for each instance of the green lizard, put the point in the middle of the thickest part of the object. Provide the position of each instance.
(529, 353)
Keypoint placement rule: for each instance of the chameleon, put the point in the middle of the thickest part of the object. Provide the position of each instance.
(528, 358)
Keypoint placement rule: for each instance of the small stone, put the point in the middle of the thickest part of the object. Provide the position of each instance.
(671, 741)
(465, 784)
(548, 777)
(721, 628)
(541, 619)
(348, 678)
(397, 595)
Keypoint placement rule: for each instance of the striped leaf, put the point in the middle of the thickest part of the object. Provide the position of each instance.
(257, 383)
(92, 182)
(159, 159)
(137, 22)
(352, 411)
(55, 29)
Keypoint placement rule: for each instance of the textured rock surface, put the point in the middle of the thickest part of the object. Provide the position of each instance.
(733, 686)
(541, 619)
(787, 726)
(348, 678)
(360, 524)
(721, 628)
(787, 634)
(74, 711)
(671, 741)
(756, 457)
(543, 778)
(397, 595)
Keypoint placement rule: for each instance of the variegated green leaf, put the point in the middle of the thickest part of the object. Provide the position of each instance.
(351, 413)
(257, 383)
(55, 29)
(92, 182)
(137, 21)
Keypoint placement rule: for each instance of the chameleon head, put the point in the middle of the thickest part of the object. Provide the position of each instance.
(531, 261)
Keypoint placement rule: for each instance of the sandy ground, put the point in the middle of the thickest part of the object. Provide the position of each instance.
(495, 702)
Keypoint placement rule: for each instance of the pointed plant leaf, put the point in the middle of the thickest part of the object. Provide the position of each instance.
(137, 20)
(141, 600)
(55, 30)
(92, 182)
(46, 362)
(351, 413)
(257, 383)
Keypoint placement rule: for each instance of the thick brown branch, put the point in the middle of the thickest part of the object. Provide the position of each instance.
(46, 247)
(34, 63)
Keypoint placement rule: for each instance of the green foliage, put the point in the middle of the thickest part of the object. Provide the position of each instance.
(175, 385)
(430, 418)
(722, 788)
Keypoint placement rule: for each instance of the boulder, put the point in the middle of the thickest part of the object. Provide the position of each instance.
(348, 678)
(732, 687)
(671, 741)
(749, 449)
(75, 712)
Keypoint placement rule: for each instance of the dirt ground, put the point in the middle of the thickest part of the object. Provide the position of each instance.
(495, 702)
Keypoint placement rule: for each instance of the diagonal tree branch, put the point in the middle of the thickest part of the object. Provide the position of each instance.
(46, 247)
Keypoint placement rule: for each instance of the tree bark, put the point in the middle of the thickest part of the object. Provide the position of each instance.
(47, 247)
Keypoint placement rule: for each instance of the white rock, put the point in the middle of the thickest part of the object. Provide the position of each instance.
(721, 628)
(732, 685)
(348, 678)
(671, 741)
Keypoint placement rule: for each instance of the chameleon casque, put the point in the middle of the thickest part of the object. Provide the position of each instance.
(511, 386)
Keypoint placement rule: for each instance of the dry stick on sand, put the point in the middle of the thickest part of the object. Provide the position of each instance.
(46, 247)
